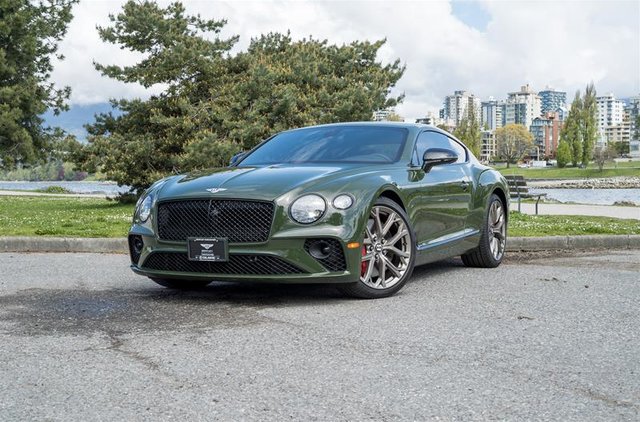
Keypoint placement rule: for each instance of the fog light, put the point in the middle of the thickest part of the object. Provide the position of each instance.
(138, 244)
(320, 250)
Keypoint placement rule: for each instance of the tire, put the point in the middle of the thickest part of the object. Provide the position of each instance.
(181, 284)
(493, 238)
(385, 266)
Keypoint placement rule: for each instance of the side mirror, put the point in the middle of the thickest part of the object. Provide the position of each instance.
(237, 157)
(436, 157)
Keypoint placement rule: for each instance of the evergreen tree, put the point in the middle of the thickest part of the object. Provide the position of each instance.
(29, 36)
(217, 104)
(588, 125)
(563, 154)
(571, 132)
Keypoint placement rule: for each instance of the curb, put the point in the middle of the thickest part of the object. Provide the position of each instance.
(63, 244)
(119, 245)
(525, 244)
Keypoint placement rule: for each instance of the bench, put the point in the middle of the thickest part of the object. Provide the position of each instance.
(518, 189)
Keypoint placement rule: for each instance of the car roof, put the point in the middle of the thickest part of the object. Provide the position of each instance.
(413, 126)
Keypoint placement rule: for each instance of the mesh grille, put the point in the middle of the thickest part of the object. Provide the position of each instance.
(237, 264)
(335, 261)
(238, 221)
(135, 255)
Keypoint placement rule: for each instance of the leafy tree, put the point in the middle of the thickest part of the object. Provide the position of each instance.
(29, 36)
(468, 131)
(512, 142)
(394, 117)
(621, 148)
(588, 125)
(563, 154)
(571, 132)
(216, 104)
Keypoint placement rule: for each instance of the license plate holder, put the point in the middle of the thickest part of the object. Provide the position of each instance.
(212, 249)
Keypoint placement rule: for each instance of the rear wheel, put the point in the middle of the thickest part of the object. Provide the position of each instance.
(493, 238)
(181, 284)
(388, 252)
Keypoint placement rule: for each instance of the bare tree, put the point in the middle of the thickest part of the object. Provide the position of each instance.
(602, 154)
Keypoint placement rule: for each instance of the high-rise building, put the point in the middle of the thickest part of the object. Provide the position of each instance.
(610, 113)
(488, 149)
(551, 100)
(546, 134)
(633, 110)
(491, 113)
(456, 106)
(522, 107)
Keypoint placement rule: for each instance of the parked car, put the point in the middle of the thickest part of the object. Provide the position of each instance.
(355, 204)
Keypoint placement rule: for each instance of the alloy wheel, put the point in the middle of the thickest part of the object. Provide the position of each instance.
(497, 230)
(386, 250)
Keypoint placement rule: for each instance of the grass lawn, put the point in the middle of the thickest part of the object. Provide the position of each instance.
(90, 217)
(592, 172)
(564, 225)
(63, 217)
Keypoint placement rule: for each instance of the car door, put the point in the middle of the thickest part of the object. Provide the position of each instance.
(440, 199)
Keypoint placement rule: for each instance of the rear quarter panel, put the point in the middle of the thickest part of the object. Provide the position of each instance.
(488, 181)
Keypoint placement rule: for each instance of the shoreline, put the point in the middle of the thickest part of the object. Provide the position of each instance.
(618, 182)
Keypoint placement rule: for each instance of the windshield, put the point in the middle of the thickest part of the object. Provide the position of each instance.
(333, 144)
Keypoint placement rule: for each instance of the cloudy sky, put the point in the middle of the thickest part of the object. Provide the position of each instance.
(486, 47)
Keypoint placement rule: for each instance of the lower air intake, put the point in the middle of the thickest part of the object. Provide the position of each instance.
(236, 265)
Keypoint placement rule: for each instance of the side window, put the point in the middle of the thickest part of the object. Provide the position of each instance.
(437, 140)
(459, 149)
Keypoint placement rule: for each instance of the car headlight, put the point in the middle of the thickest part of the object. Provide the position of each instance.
(308, 208)
(144, 208)
(342, 201)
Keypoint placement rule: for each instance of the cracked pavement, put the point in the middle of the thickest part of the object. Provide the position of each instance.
(545, 336)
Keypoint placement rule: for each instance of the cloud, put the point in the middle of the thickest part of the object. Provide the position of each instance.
(564, 44)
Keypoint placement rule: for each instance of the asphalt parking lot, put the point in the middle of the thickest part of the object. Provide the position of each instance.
(544, 336)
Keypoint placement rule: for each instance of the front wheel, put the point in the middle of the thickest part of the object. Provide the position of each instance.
(493, 237)
(181, 284)
(388, 252)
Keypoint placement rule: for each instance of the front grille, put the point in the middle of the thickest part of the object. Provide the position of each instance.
(334, 260)
(237, 264)
(238, 221)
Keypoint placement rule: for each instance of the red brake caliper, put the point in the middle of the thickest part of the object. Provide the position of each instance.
(364, 264)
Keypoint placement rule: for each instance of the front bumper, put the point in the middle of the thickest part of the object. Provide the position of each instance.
(280, 260)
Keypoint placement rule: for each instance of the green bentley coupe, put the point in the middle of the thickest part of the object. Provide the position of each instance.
(355, 204)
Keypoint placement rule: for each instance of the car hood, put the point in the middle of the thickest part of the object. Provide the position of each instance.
(261, 183)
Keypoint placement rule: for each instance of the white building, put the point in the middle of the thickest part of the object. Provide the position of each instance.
(381, 115)
(491, 112)
(456, 105)
(522, 107)
(610, 113)
(488, 150)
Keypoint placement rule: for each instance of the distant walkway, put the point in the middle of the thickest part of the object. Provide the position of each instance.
(66, 195)
(579, 209)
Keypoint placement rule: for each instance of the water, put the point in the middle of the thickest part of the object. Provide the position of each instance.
(106, 188)
(591, 196)
(578, 196)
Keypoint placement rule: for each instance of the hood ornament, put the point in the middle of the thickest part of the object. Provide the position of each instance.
(215, 190)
